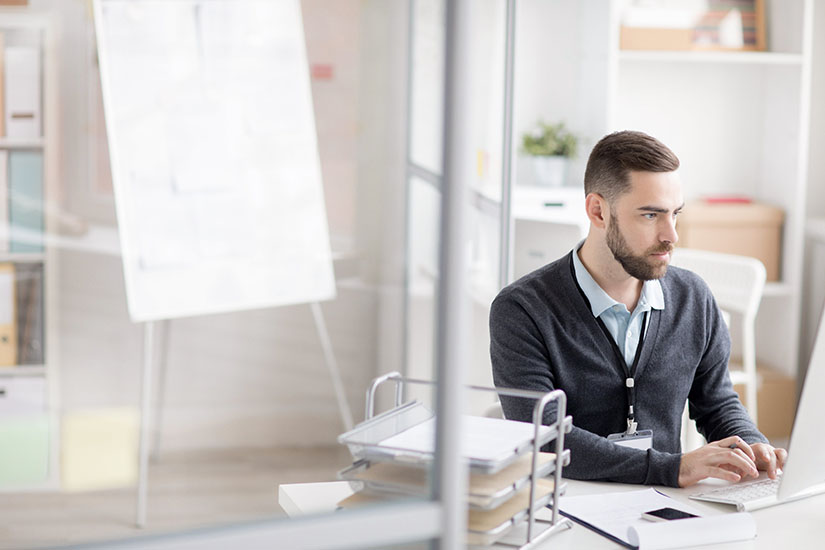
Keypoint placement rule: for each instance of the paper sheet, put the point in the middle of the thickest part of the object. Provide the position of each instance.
(483, 439)
(618, 515)
(692, 532)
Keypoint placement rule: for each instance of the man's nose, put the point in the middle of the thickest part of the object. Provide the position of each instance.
(668, 233)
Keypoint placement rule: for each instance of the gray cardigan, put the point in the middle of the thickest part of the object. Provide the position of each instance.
(543, 336)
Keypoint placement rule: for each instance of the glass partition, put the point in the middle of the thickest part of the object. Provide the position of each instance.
(245, 405)
(486, 72)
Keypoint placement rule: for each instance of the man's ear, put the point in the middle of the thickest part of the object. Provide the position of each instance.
(597, 210)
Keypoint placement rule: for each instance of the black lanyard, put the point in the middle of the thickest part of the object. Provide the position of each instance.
(629, 372)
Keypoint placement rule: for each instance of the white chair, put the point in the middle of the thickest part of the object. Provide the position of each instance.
(737, 283)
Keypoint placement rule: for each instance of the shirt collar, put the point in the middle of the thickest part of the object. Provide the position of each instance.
(650, 298)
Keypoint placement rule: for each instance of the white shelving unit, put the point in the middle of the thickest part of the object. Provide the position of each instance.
(738, 120)
(22, 26)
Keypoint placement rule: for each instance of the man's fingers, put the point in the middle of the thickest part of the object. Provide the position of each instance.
(771, 465)
(737, 442)
(722, 473)
(752, 468)
(738, 460)
(781, 458)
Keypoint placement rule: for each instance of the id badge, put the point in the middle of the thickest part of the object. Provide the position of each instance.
(642, 439)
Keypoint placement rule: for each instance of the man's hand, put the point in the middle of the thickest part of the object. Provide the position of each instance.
(730, 459)
(769, 459)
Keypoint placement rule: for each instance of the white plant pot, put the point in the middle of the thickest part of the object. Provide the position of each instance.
(549, 171)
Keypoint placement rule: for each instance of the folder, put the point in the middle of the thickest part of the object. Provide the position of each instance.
(2, 85)
(22, 92)
(29, 295)
(8, 332)
(4, 197)
(26, 201)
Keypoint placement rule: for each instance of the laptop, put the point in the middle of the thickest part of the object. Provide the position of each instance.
(804, 471)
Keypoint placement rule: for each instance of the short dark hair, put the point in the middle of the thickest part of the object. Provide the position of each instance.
(618, 154)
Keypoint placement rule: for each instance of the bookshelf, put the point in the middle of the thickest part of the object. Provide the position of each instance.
(29, 407)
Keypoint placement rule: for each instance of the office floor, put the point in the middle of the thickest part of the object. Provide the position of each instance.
(186, 490)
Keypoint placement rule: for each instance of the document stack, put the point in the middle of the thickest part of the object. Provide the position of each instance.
(394, 451)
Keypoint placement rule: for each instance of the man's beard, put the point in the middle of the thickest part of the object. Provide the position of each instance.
(642, 267)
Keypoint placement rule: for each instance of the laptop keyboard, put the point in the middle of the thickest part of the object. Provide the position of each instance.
(744, 493)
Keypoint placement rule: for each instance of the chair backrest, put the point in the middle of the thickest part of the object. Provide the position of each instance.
(736, 282)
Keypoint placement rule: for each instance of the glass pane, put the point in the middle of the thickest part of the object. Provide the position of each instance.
(246, 402)
(427, 84)
(486, 115)
(422, 279)
(486, 106)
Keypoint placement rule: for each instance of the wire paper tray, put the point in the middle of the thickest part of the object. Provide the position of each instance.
(407, 434)
(403, 438)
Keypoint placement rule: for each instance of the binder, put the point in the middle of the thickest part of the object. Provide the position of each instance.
(22, 92)
(8, 329)
(29, 299)
(4, 197)
(26, 201)
(2, 85)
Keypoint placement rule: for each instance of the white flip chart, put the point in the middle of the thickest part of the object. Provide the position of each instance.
(214, 155)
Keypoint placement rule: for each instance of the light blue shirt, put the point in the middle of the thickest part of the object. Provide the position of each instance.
(623, 325)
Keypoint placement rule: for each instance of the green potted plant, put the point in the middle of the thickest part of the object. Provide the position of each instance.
(549, 147)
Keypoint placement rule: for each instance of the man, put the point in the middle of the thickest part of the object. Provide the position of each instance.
(627, 338)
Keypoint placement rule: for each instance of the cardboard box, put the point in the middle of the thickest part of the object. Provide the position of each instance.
(751, 229)
(647, 38)
(776, 403)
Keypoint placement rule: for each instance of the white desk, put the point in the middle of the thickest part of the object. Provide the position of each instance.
(797, 525)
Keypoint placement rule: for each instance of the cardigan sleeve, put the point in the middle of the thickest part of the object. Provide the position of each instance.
(712, 401)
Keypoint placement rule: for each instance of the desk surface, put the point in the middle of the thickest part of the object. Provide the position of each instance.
(796, 525)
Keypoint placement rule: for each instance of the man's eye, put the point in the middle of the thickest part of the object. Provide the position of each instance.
(650, 216)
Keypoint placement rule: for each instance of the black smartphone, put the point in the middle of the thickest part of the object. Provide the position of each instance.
(666, 514)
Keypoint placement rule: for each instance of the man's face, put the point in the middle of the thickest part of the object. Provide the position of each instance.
(643, 240)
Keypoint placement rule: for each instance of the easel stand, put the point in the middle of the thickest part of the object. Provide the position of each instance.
(149, 345)
(562, 425)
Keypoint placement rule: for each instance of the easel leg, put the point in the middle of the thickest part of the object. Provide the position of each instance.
(145, 419)
(332, 366)
(163, 361)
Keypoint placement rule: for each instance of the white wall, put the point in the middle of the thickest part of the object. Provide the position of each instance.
(816, 167)
(253, 378)
(814, 283)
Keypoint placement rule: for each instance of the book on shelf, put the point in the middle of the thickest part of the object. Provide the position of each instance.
(4, 201)
(2, 85)
(26, 201)
(29, 306)
(8, 320)
(21, 89)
